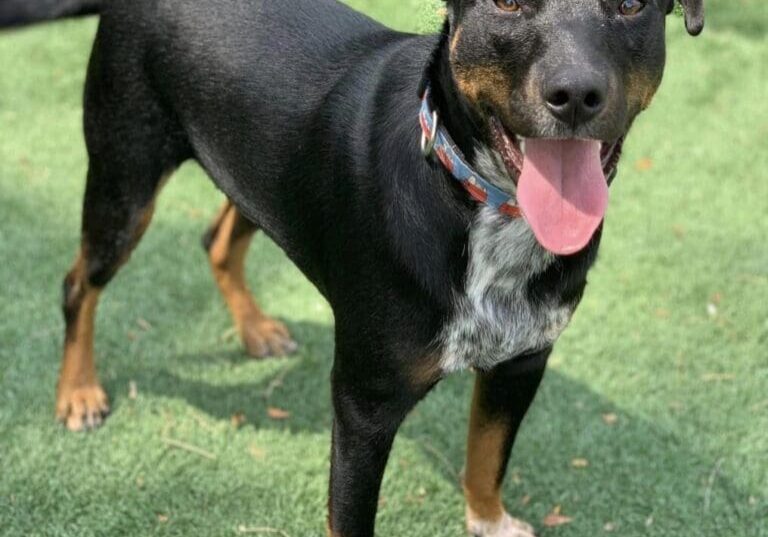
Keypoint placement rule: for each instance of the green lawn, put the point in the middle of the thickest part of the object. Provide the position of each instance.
(672, 338)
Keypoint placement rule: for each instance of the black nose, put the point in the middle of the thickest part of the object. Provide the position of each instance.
(575, 95)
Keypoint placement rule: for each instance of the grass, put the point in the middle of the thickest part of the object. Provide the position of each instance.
(671, 338)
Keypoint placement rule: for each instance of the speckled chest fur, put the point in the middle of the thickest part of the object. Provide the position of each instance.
(496, 318)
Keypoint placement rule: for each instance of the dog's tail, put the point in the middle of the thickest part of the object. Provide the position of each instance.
(22, 12)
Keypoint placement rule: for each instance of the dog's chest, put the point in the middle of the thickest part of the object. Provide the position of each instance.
(495, 318)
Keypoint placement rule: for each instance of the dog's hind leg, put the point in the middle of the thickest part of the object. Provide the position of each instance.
(132, 145)
(227, 243)
(114, 220)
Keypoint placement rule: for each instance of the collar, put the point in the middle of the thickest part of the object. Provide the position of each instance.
(435, 141)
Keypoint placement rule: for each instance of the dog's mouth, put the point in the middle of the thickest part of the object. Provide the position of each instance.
(562, 184)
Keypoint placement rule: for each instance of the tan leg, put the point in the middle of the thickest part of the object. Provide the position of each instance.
(500, 401)
(481, 479)
(486, 458)
(80, 400)
(227, 243)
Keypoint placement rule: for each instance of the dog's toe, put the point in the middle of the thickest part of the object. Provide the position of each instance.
(83, 408)
(268, 337)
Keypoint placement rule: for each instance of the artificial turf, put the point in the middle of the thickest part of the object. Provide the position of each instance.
(652, 421)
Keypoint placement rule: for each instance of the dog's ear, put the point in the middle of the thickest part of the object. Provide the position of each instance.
(694, 15)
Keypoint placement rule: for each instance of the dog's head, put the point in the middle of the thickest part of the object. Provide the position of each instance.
(556, 85)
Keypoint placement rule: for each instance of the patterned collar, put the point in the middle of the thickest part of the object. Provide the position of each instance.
(435, 140)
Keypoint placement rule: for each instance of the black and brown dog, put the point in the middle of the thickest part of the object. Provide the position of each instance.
(308, 116)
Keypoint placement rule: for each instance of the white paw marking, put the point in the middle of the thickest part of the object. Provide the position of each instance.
(506, 527)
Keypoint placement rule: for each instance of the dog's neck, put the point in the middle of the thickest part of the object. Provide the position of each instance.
(460, 121)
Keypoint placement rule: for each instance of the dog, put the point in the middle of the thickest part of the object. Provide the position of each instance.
(445, 193)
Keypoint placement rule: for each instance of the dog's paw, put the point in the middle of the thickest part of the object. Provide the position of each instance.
(82, 408)
(506, 527)
(267, 337)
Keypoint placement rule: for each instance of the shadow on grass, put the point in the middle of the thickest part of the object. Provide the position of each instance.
(301, 385)
(639, 477)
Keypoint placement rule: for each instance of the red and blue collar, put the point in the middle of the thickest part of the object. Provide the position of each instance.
(435, 140)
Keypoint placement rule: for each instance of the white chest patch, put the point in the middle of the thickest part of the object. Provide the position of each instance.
(494, 319)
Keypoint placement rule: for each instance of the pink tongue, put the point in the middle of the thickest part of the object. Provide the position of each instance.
(563, 192)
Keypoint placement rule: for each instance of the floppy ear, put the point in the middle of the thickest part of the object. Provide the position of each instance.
(694, 15)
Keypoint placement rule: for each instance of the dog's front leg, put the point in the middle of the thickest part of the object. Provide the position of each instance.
(371, 397)
(500, 401)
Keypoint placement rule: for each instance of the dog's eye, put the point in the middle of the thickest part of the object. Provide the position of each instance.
(631, 7)
(508, 5)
